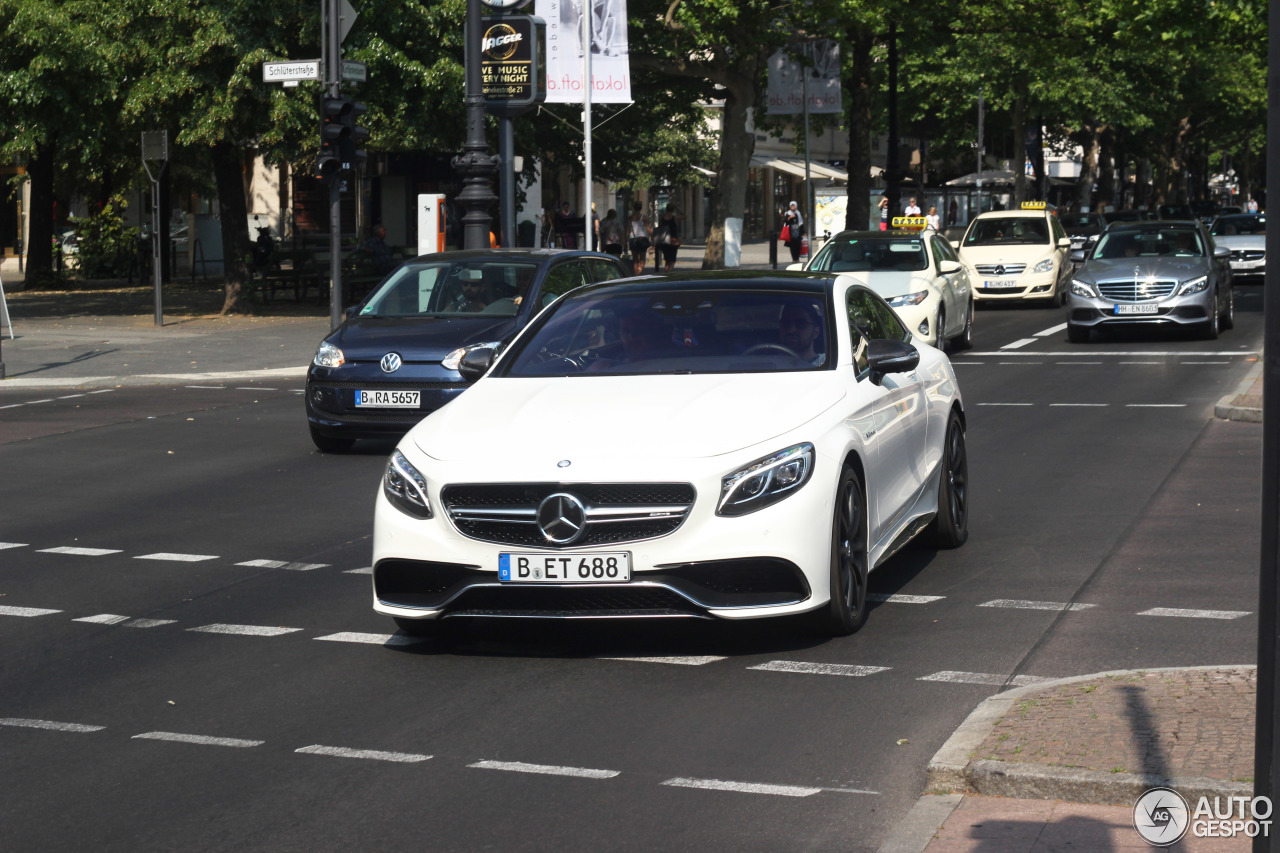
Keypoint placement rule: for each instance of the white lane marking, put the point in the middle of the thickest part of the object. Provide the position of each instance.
(742, 787)
(1018, 604)
(1082, 405)
(1018, 344)
(1006, 404)
(1142, 362)
(1019, 363)
(4, 545)
(371, 639)
(177, 558)
(899, 598)
(1053, 330)
(1112, 354)
(12, 406)
(103, 391)
(208, 387)
(71, 396)
(1155, 405)
(282, 564)
(372, 754)
(1077, 362)
(49, 724)
(80, 552)
(1195, 614)
(25, 611)
(678, 660)
(203, 740)
(103, 619)
(367, 570)
(245, 630)
(1204, 362)
(952, 676)
(809, 668)
(256, 389)
(968, 363)
(150, 623)
(546, 769)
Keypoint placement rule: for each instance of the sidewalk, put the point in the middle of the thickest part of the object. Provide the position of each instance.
(1060, 765)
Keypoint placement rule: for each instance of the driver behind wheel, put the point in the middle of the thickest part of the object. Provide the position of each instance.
(800, 330)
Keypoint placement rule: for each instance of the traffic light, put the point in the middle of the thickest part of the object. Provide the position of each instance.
(341, 139)
(352, 144)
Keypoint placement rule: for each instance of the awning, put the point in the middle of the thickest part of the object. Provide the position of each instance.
(796, 167)
(706, 172)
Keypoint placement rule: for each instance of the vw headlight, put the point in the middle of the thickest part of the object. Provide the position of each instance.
(328, 356)
(1083, 288)
(908, 299)
(453, 359)
(1195, 285)
(405, 487)
(1044, 266)
(765, 481)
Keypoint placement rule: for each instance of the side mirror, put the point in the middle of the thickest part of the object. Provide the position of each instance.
(794, 267)
(476, 363)
(955, 244)
(1221, 253)
(885, 357)
(1064, 242)
(949, 267)
(1077, 256)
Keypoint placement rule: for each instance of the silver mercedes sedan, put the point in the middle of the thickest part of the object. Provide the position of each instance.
(1245, 236)
(1164, 272)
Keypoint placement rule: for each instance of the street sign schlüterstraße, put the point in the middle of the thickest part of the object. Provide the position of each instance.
(285, 72)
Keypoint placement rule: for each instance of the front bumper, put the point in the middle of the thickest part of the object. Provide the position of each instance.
(331, 399)
(1025, 286)
(1193, 310)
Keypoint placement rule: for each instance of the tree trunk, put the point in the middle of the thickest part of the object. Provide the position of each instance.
(228, 172)
(729, 198)
(1019, 130)
(1111, 178)
(40, 236)
(1089, 139)
(857, 209)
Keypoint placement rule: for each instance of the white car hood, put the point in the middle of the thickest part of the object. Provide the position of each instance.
(1006, 253)
(893, 283)
(623, 417)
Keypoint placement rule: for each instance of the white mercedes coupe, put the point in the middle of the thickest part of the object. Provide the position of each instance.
(715, 445)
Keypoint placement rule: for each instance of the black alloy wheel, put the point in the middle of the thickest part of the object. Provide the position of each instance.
(965, 338)
(847, 611)
(950, 527)
(329, 444)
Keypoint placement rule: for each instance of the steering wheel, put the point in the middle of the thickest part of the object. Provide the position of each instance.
(771, 348)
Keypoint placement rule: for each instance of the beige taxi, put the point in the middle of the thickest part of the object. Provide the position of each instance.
(1017, 254)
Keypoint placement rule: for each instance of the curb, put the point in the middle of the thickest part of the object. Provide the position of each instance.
(952, 769)
(1227, 410)
(268, 373)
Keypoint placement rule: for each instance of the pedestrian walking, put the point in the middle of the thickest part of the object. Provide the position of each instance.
(640, 234)
(667, 238)
(611, 233)
(793, 230)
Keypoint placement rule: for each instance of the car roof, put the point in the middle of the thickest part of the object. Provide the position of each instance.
(1039, 213)
(1153, 225)
(535, 255)
(803, 281)
(891, 234)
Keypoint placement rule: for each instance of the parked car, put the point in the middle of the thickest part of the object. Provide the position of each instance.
(1245, 236)
(1152, 273)
(917, 273)
(730, 445)
(395, 357)
(1017, 254)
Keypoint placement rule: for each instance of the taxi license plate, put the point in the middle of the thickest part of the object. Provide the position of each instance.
(1142, 308)
(387, 399)
(613, 567)
(1000, 285)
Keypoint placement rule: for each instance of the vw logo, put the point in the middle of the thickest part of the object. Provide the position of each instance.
(562, 518)
(390, 362)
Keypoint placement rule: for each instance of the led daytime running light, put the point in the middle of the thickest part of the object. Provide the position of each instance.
(766, 481)
(405, 487)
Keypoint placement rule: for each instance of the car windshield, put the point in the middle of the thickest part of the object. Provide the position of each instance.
(1079, 223)
(858, 254)
(1004, 230)
(1149, 243)
(465, 286)
(1230, 226)
(687, 330)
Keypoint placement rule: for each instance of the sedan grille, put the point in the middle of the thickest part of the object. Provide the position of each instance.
(1001, 269)
(1136, 291)
(507, 514)
(1248, 254)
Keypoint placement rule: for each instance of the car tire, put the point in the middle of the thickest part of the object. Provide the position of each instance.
(950, 527)
(847, 610)
(1060, 296)
(1209, 331)
(1077, 334)
(965, 339)
(421, 627)
(1228, 318)
(329, 444)
(940, 329)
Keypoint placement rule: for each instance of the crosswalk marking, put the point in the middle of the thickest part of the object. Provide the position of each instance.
(545, 769)
(1016, 604)
(204, 740)
(79, 552)
(372, 754)
(245, 630)
(177, 558)
(809, 668)
(49, 724)
(1195, 614)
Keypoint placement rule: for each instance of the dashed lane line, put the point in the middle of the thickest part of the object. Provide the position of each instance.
(368, 754)
(202, 740)
(1155, 405)
(80, 552)
(993, 679)
(810, 668)
(283, 564)
(900, 598)
(149, 623)
(678, 660)
(367, 570)
(371, 639)
(1081, 405)
(1018, 604)
(245, 630)
(4, 545)
(1195, 614)
(165, 556)
(1052, 330)
(545, 769)
(1018, 344)
(7, 610)
(103, 619)
(49, 724)
(742, 787)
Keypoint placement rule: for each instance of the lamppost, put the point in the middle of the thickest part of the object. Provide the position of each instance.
(475, 164)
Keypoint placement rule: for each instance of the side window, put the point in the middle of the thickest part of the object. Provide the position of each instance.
(1058, 231)
(864, 325)
(942, 251)
(893, 328)
(602, 270)
(560, 279)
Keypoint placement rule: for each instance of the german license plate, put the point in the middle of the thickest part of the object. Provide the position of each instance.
(1140, 308)
(999, 284)
(387, 399)
(613, 567)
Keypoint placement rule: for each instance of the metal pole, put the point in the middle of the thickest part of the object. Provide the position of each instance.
(979, 150)
(808, 176)
(507, 179)
(155, 242)
(333, 69)
(893, 171)
(475, 164)
(587, 224)
(1266, 745)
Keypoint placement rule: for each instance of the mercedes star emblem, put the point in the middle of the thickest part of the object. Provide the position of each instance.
(562, 518)
(390, 362)
(563, 463)
(999, 269)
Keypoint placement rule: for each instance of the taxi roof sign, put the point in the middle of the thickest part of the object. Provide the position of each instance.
(910, 223)
(1033, 205)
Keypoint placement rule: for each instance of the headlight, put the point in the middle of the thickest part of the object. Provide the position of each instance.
(405, 487)
(765, 481)
(908, 299)
(1083, 288)
(453, 359)
(1195, 285)
(1044, 266)
(328, 356)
